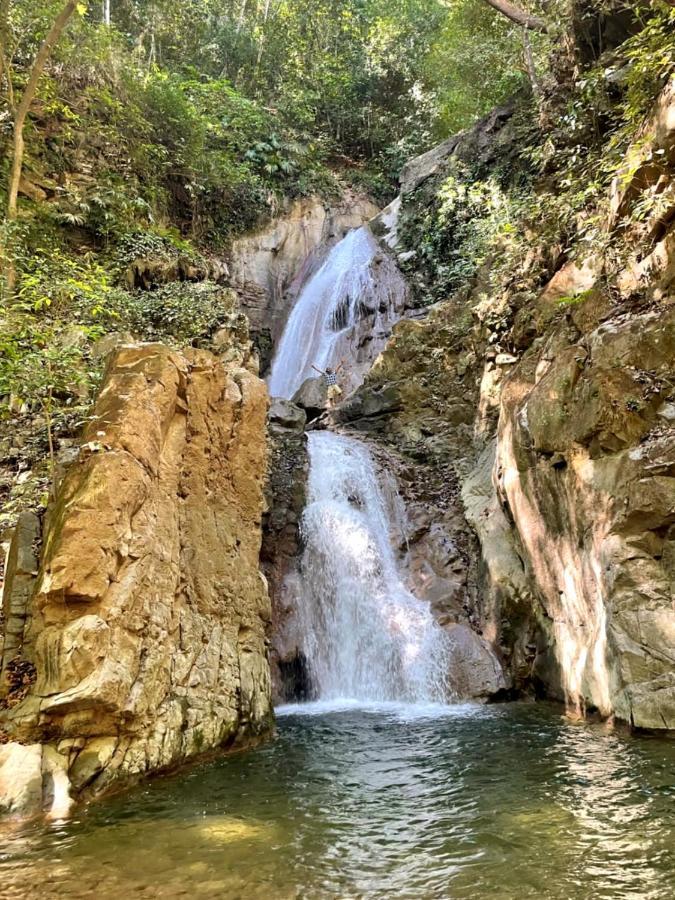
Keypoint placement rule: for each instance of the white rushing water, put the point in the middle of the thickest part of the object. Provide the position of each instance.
(355, 281)
(363, 634)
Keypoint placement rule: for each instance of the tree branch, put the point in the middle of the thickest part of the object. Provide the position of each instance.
(519, 16)
(5, 71)
(22, 109)
(27, 98)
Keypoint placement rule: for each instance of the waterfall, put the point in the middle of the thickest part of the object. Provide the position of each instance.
(363, 634)
(355, 282)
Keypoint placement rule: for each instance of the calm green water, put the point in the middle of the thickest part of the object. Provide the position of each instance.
(503, 801)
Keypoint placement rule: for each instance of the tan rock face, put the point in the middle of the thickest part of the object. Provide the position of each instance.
(573, 499)
(147, 627)
(585, 466)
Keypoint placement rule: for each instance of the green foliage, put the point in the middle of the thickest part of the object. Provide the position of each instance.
(152, 243)
(651, 61)
(575, 299)
(34, 361)
(179, 312)
(64, 304)
(480, 48)
(207, 113)
(62, 287)
(454, 228)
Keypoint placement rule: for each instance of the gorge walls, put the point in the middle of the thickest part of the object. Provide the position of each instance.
(549, 395)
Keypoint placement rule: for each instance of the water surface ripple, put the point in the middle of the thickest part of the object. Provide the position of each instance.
(380, 801)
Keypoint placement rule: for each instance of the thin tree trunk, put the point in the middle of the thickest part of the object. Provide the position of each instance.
(27, 98)
(5, 55)
(106, 12)
(519, 16)
(262, 36)
(531, 69)
(242, 11)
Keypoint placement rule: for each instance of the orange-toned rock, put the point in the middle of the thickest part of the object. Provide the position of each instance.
(147, 625)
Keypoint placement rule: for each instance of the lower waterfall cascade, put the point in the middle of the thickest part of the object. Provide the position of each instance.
(364, 635)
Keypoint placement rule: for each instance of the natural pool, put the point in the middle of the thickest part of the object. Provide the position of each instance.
(383, 802)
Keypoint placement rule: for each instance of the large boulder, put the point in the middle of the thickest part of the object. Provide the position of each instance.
(475, 671)
(312, 396)
(146, 627)
(286, 415)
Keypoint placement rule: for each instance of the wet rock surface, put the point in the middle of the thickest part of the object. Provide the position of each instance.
(286, 496)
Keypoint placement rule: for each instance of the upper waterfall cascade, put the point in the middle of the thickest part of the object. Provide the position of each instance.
(356, 281)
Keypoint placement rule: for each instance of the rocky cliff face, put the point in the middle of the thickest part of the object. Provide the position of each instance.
(140, 642)
(286, 491)
(552, 408)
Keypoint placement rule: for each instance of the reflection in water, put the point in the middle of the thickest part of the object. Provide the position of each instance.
(614, 820)
(381, 801)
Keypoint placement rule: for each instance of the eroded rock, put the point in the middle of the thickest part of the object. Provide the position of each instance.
(147, 624)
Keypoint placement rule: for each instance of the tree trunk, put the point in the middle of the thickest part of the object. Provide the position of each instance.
(262, 36)
(27, 98)
(106, 12)
(519, 16)
(18, 142)
(242, 12)
(531, 69)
